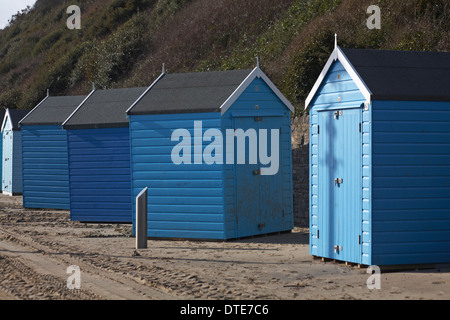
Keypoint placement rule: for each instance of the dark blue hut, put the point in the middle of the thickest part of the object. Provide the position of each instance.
(99, 157)
(44, 153)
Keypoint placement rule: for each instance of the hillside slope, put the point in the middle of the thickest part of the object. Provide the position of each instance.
(123, 43)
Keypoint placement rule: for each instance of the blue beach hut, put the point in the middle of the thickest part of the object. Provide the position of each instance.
(202, 185)
(380, 158)
(44, 153)
(99, 157)
(12, 152)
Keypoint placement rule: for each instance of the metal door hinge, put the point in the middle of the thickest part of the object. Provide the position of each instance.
(317, 233)
(359, 239)
(318, 129)
(360, 127)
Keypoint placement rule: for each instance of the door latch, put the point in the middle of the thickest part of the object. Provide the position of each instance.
(337, 249)
(337, 114)
(257, 172)
(338, 181)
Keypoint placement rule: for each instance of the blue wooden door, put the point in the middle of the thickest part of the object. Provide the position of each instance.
(259, 199)
(247, 186)
(271, 186)
(7, 161)
(340, 185)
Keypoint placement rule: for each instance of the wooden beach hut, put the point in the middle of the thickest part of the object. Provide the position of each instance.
(380, 157)
(202, 185)
(99, 157)
(44, 153)
(12, 152)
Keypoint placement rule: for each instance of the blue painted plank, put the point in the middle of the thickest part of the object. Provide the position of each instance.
(411, 258)
(100, 179)
(405, 182)
(45, 167)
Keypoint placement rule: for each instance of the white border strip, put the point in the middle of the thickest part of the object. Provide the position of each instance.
(146, 90)
(7, 115)
(256, 72)
(337, 54)
(75, 111)
(20, 122)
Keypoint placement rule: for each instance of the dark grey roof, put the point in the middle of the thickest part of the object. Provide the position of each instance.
(16, 116)
(105, 109)
(403, 75)
(53, 110)
(190, 92)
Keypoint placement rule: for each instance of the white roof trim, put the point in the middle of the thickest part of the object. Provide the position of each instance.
(355, 76)
(82, 102)
(337, 54)
(7, 116)
(256, 73)
(20, 122)
(147, 90)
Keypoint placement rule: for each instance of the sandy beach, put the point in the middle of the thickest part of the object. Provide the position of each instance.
(38, 246)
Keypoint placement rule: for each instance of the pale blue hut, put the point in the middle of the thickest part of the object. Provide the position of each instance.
(2, 115)
(12, 152)
(380, 157)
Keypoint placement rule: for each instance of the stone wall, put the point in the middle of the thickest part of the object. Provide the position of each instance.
(300, 169)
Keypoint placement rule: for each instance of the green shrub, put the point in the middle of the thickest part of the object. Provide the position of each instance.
(47, 42)
(109, 60)
(299, 77)
(10, 98)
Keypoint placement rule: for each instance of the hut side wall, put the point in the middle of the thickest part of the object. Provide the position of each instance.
(99, 174)
(411, 174)
(45, 167)
(185, 200)
(17, 185)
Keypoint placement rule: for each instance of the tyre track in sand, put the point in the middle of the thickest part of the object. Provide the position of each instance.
(149, 282)
(110, 277)
(36, 270)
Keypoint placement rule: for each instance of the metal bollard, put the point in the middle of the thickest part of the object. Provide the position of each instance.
(141, 219)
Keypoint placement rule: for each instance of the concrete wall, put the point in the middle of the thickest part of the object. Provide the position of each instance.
(300, 179)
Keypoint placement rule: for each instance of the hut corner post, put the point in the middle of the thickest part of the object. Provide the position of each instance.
(141, 219)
